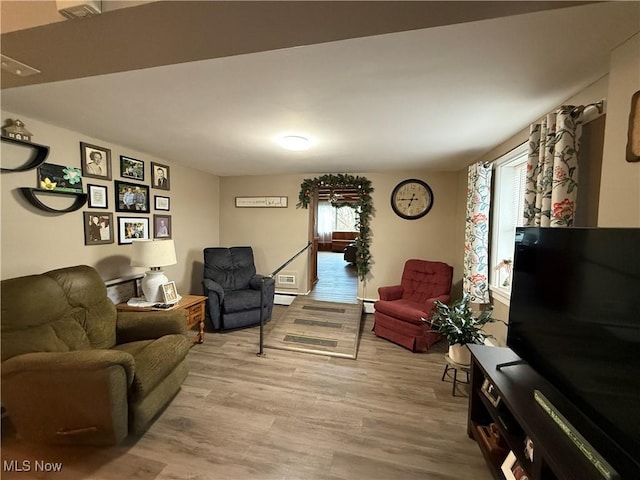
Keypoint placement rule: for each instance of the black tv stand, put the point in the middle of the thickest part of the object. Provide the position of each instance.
(505, 397)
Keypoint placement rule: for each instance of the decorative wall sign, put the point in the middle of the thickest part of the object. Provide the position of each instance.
(268, 202)
(58, 178)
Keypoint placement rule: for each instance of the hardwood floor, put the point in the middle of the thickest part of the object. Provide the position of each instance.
(288, 416)
(337, 279)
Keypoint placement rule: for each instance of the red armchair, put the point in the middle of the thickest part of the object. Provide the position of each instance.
(401, 307)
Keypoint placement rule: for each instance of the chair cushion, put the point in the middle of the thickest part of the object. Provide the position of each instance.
(405, 310)
(240, 300)
(37, 317)
(154, 361)
(232, 268)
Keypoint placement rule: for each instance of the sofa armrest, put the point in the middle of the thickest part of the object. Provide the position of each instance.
(79, 396)
(393, 292)
(256, 281)
(68, 363)
(431, 304)
(211, 286)
(134, 326)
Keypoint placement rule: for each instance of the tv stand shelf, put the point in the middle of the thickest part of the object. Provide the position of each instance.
(518, 416)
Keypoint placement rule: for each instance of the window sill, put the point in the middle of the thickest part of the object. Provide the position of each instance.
(501, 294)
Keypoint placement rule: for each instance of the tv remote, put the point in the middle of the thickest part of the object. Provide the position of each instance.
(163, 305)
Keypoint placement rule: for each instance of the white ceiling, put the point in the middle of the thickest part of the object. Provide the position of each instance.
(435, 98)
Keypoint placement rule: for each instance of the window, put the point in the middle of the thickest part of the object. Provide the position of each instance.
(331, 219)
(508, 201)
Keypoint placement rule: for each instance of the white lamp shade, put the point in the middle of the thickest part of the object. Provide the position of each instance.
(153, 253)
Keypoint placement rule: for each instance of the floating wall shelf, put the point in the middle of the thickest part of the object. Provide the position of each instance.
(31, 195)
(40, 153)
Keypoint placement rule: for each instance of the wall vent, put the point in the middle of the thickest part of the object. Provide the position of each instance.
(286, 280)
(74, 9)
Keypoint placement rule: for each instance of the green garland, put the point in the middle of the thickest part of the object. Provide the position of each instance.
(363, 208)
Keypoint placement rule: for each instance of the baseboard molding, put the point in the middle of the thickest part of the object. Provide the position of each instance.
(287, 298)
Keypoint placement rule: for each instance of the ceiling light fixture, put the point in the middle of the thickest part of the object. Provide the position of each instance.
(296, 143)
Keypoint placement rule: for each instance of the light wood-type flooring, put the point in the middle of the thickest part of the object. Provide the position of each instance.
(337, 279)
(289, 416)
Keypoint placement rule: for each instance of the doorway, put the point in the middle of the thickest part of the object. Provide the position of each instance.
(334, 229)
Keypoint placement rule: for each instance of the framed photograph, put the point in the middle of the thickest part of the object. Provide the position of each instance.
(57, 178)
(131, 168)
(98, 228)
(132, 227)
(97, 196)
(162, 203)
(96, 161)
(264, 202)
(490, 392)
(162, 226)
(131, 197)
(160, 176)
(169, 292)
(507, 465)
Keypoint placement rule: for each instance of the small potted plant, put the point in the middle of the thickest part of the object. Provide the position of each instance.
(458, 324)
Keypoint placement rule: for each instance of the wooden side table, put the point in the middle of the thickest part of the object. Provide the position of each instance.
(194, 307)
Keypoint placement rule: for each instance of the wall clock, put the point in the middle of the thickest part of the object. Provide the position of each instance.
(411, 199)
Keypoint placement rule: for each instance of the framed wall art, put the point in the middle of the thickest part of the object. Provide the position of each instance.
(162, 226)
(264, 202)
(95, 161)
(169, 292)
(132, 227)
(131, 197)
(97, 196)
(131, 168)
(98, 228)
(162, 203)
(58, 178)
(160, 176)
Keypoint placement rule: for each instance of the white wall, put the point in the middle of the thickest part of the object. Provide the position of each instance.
(276, 234)
(620, 183)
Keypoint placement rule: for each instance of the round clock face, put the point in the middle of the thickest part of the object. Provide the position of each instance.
(412, 199)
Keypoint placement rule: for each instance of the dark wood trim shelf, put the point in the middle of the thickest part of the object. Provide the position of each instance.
(31, 195)
(518, 416)
(40, 153)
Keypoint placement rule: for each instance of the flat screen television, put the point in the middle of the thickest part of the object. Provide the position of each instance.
(575, 318)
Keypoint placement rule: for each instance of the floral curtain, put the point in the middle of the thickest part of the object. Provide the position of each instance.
(552, 169)
(475, 277)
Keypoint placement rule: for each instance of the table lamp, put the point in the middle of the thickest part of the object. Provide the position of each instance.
(153, 254)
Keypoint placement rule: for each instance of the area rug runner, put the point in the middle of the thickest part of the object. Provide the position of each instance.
(312, 326)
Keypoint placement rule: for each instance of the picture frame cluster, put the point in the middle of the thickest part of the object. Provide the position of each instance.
(130, 196)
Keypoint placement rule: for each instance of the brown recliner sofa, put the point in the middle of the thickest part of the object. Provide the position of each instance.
(74, 370)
